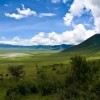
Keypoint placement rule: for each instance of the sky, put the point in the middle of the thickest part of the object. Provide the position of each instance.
(48, 22)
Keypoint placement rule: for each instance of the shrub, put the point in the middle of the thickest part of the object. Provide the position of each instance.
(23, 88)
(69, 94)
(96, 88)
(16, 71)
(1, 76)
(12, 96)
(45, 84)
(81, 70)
(49, 81)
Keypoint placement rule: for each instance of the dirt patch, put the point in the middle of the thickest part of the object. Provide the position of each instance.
(10, 55)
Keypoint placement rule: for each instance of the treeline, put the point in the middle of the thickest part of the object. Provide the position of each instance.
(80, 80)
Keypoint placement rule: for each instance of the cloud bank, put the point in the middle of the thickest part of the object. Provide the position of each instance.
(78, 34)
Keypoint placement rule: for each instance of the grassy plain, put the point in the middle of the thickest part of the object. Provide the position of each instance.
(43, 58)
(40, 58)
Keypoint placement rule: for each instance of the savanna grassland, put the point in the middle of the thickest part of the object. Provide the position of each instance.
(50, 75)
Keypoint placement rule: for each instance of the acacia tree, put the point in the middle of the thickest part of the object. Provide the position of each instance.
(16, 71)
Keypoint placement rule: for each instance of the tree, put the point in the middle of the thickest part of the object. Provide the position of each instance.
(80, 68)
(16, 71)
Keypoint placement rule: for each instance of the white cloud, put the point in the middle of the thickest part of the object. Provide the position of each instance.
(94, 6)
(64, 1)
(16, 39)
(46, 14)
(77, 7)
(58, 1)
(55, 1)
(15, 16)
(22, 13)
(68, 19)
(77, 35)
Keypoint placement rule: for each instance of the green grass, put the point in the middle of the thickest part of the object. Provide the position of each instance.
(41, 59)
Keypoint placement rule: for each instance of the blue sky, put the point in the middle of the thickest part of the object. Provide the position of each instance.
(33, 20)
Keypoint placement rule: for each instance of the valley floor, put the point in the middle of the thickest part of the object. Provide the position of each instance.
(54, 64)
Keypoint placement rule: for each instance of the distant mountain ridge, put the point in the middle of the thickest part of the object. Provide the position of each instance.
(91, 44)
(34, 47)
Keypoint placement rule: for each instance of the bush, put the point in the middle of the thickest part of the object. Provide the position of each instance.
(50, 81)
(96, 88)
(69, 94)
(45, 84)
(81, 71)
(1, 76)
(82, 81)
(17, 71)
(23, 88)
(12, 96)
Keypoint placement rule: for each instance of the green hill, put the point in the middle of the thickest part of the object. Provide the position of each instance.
(91, 44)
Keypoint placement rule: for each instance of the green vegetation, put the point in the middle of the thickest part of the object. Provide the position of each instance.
(29, 78)
(16, 72)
